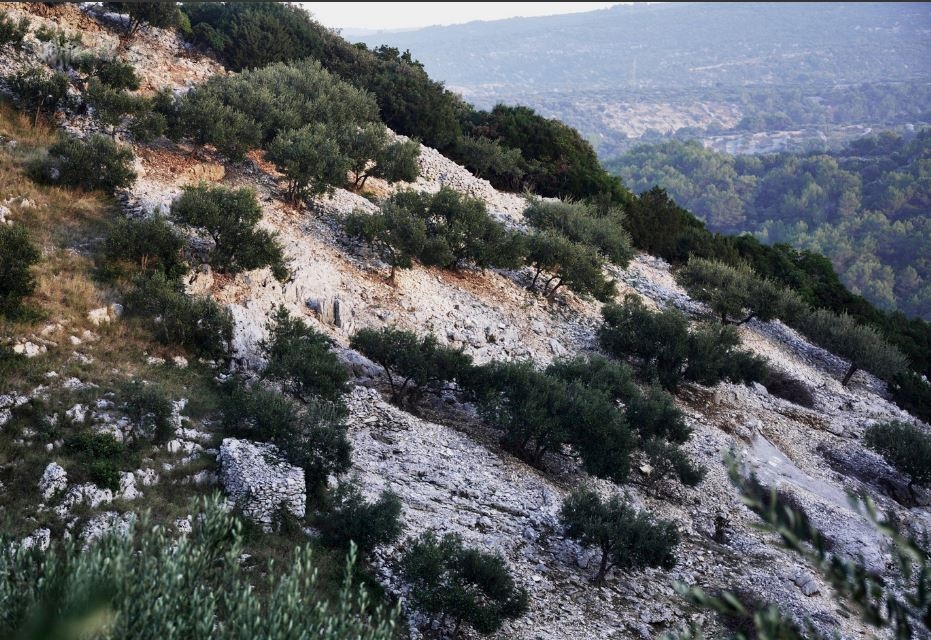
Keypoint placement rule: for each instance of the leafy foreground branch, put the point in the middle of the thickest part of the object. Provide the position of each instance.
(901, 605)
(147, 585)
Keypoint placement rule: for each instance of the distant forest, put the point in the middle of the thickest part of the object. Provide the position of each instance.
(865, 207)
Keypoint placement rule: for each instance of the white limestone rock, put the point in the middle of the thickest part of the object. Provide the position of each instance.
(257, 478)
(54, 480)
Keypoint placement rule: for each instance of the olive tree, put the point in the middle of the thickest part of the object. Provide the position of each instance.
(229, 217)
(864, 347)
(628, 539)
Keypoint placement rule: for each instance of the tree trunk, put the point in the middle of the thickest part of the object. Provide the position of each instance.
(747, 319)
(552, 293)
(364, 178)
(852, 370)
(603, 568)
(724, 318)
(536, 275)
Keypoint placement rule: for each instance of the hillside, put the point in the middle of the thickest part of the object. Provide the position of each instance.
(803, 73)
(865, 207)
(148, 367)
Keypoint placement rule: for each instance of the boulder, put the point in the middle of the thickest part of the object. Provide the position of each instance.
(54, 479)
(259, 480)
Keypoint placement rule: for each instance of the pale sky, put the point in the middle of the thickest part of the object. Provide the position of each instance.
(406, 15)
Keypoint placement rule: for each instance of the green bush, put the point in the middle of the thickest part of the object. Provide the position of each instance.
(668, 459)
(912, 392)
(112, 105)
(300, 102)
(302, 359)
(150, 411)
(539, 413)
(98, 455)
(413, 365)
(310, 158)
(147, 585)
(347, 518)
(116, 74)
(164, 15)
(312, 436)
(737, 292)
(905, 447)
(569, 263)
(584, 223)
(150, 243)
(95, 163)
(392, 161)
(148, 126)
(198, 324)
(13, 32)
(668, 352)
(229, 218)
(628, 539)
(452, 582)
(864, 347)
(18, 255)
(39, 90)
(490, 159)
(395, 233)
(458, 230)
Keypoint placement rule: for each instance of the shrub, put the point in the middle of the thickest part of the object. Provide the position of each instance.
(569, 263)
(148, 126)
(95, 163)
(782, 385)
(312, 436)
(112, 105)
(489, 159)
(302, 359)
(98, 454)
(18, 255)
(668, 459)
(151, 243)
(668, 352)
(413, 365)
(127, 586)
(116, 74)
(13, 32)
(738, 292)
(394, 233)
(39, 90)
(905, 447)
(369, 154)
(163, 15)
(863, 346)
(347, 518)
(311, 159)
(539, 413)
(229, 218)
(450, 581)
(460, 230)
(206, 119)
(584, 223)
(150, 411)
(198, 324)
(278, 101)
(912, 392)
(628, 539)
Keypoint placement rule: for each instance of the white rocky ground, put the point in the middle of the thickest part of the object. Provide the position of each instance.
(453, 476)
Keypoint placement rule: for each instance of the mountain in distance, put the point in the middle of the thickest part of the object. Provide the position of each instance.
(637, 72)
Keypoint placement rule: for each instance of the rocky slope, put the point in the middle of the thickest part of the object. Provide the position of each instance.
(449, 470)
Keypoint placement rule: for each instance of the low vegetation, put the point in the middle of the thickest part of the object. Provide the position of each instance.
(128, 587)
(628, 539)
(456, 584)
(906, 447)
(347, 518)
(863, 346)
(18, 254)
(229, 218)
(668, 352)
(92, 164)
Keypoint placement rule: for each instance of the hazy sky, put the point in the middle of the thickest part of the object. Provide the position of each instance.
(405, 15)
